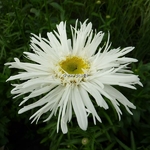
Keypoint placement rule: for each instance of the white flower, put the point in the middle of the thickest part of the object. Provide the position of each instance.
(67, 71)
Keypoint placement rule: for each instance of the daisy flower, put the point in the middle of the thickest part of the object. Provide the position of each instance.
(66, 71)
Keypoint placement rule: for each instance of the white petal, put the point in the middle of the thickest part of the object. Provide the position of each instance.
(37, 93)
(88, 103)
(51, 97)
(93, 90)
(79, 108)
(120, 97)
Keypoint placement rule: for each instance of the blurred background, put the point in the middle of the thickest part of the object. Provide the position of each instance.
(128, 22)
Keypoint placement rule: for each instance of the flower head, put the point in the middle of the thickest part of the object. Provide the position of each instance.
(68, 70)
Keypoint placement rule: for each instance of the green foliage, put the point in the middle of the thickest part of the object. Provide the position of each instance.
(128, 22)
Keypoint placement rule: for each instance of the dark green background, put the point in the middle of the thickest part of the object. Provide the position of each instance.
(128, 22)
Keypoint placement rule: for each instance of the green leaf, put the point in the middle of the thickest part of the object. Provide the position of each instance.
(110, 146)
(57, 6)
(133, 145)
(125, 147)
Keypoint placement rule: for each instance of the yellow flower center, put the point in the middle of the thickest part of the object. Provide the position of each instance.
(74, 65)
